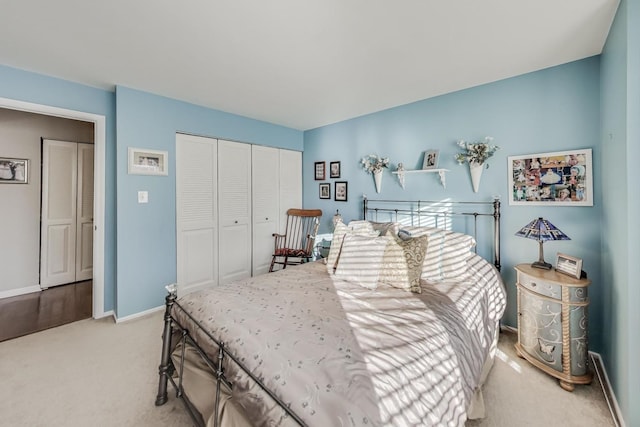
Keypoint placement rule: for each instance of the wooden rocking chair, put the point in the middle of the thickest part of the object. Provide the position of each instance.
(295, 246)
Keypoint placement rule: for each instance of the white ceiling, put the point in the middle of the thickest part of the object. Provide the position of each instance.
(298, 63)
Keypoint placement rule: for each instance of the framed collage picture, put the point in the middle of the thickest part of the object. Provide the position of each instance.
(562, 178)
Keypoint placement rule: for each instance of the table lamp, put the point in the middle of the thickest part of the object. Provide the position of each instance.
(541, 230)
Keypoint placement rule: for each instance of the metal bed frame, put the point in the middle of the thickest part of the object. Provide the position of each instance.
(433, 213)
(373, 210)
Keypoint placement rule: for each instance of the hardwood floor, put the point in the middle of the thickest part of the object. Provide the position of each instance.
(26, 314)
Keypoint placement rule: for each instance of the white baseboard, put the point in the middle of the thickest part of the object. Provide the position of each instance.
(137, 315)
(20, 291)
(601, 372)
(609, 395)
(105, 314)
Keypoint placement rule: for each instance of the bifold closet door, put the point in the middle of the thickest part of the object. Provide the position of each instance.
(290, 189)
(196, 212)
(265, 188)
(58, 222)
(234, 210)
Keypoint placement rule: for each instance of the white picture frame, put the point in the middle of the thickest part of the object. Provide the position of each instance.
(561, 178)
(143, 161)
(569, 265)
(430, 160)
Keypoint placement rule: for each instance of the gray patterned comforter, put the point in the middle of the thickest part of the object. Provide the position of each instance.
(343, 355)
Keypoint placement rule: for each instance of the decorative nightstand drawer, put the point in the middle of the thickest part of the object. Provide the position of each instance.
(552, 324)
(540, 287)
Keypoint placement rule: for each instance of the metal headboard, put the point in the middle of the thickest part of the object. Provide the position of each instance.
(436, 214)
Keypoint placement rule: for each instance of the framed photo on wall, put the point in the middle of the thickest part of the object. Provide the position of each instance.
(143, 161)
(430, 160)
(319, 171)
(562, 178)
(325, 190)
(14, 171)
(340, 194)
(334, 170)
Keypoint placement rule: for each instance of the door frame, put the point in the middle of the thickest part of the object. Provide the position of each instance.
(99, 155)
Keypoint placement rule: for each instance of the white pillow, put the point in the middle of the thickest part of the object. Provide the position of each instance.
(354, 227)
(447, 252)
(456, 251)
(360, 259)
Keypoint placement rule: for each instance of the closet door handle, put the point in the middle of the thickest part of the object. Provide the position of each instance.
(235, 222)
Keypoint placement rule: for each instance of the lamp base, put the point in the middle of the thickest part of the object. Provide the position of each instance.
(543, 265)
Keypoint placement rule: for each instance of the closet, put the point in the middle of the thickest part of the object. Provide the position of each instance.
(66, 234)
(230, 198)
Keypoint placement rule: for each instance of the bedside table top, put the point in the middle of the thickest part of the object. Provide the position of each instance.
(551, 276)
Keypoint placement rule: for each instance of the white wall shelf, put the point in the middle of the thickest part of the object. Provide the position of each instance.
(441, 172)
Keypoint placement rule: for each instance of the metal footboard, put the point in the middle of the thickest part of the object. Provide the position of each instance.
(167, 368)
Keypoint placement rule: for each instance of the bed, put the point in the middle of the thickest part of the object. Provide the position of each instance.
(355, 339)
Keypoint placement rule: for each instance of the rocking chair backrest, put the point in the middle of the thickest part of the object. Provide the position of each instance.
(301, 229)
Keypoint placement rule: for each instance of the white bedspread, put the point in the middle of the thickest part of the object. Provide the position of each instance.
(343, 355)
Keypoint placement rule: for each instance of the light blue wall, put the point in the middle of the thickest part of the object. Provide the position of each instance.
(146, 252)
(620, 90)
(36, 88)
(551, 110)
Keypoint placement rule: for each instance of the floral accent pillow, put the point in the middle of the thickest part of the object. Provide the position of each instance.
(402, 262)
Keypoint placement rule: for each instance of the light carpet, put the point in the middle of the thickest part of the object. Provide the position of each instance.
(97, 373)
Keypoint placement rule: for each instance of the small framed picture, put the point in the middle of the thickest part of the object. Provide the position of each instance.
(334, 170)
(319, 170)
(340, 191)
(430, 159)
(569, 265)
(325, 190)
(14, 171)
(143, 161)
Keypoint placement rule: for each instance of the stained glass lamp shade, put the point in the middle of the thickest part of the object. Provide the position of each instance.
(541, 230)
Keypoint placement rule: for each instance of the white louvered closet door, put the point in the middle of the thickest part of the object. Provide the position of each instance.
(265, 188)
(234, 198)
(290, 195)
(196, 213)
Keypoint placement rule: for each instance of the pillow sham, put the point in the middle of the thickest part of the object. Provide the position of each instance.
(360, 259)
(338, 235)
(447, 252)
(456, 251)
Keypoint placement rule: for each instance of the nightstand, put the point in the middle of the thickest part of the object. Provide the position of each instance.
(552, 324)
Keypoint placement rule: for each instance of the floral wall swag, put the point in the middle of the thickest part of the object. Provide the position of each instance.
(476, 152)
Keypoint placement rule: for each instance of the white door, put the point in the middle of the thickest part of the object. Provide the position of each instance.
(265, 188)
(196, 208)
(290, 195)
(58, 223)
(84, 221)
(234, 198)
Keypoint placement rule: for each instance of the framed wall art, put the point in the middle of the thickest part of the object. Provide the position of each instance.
(14, 171)
(325, 190)
(143, 161)
(562, 178)
(340, 194)
(319, 171)
(334, 170)
(430, 160)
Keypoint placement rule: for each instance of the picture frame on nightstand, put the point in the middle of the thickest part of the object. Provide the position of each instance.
(571, 266)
